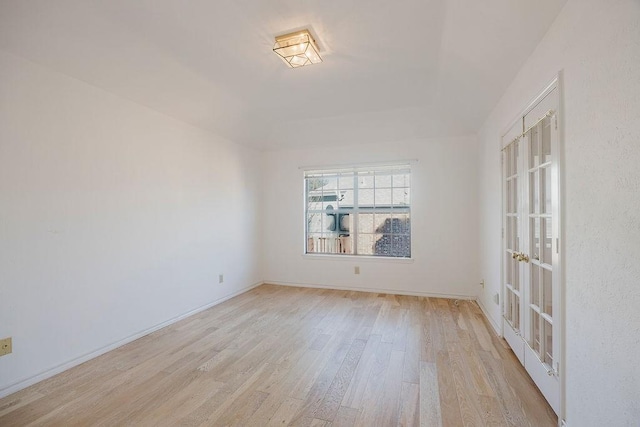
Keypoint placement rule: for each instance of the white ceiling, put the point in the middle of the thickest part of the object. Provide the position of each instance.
(392, 69)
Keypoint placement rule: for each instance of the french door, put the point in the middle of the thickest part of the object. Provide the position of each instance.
(531, 246)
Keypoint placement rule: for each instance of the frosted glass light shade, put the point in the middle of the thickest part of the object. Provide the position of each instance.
(297, 49)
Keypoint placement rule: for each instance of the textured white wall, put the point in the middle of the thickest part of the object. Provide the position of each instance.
(113, 218)
(444, 221)
(597, 46)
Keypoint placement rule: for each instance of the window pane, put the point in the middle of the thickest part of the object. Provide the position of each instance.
(548, 343)
(516, 312)
(401, 180)
(345, 182)
(547, 235)
(314, 223)
(535, 284)
(548, 292)
(330, 183)
(383, 197)
(383, 245)
(314, 203)
(330, 220)
(365, 223)
(345, 198)
(345, 244)
(401, 196)
(365, 244)
(534, 148)
(509, 240)
(328, 244)
(365, 198)
(401, 245)
(535, 327)
(534, 200)
(315, 183)
(401, 223)
(345, 223)
(546, 140)
(514, 195)
(365, 180)
(383, 180)
(313, 240)
(547, 189)
(330, 203)
(535, 237)
(382, 223)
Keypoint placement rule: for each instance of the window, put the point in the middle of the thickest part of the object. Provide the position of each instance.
(359, 211)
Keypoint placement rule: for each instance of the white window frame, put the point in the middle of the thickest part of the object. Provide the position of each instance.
(356, 209)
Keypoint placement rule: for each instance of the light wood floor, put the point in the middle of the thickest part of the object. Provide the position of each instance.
(295, 356)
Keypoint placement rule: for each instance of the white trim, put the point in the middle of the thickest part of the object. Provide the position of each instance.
(373, 290)
(356, 208)
(24, 383)
(356, 258)
(503, 227)
(562, 315)
(496, 326)
(332, 166)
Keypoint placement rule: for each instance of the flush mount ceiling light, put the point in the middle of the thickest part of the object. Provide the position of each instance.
(297, 49)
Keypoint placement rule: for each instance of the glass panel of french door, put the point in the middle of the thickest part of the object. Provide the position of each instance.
(539, 271)
(540, 293)
(512, 273)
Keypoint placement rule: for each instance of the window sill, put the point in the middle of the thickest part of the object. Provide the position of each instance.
(358, 258)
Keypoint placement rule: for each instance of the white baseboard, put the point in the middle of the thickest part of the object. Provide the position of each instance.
(375, 290)
(496, 327)
(24, 383)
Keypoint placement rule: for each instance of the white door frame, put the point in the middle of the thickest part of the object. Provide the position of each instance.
(559, 306)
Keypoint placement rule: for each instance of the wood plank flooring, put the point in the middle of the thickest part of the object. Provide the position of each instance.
(277, 356)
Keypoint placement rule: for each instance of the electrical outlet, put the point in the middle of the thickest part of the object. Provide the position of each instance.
(496, 298)
(356, 270)
(482, 283)
(5, 346)
(220, 278)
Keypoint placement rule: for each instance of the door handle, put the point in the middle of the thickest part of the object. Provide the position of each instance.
(520, 256)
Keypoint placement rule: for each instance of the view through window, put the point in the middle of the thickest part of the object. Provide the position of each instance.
(359, 211)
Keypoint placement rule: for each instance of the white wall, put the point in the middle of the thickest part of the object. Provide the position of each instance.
(443, 221)
(113, 219)
(597, 46)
